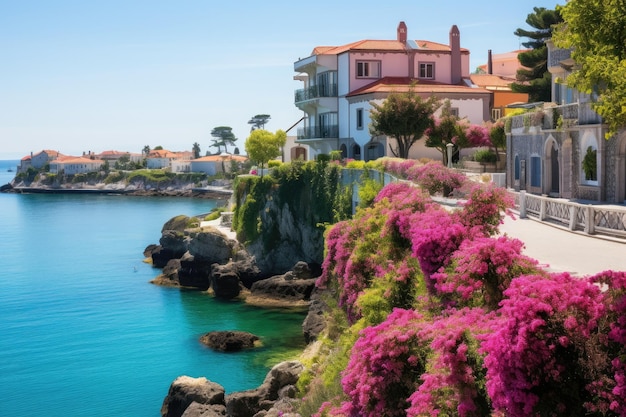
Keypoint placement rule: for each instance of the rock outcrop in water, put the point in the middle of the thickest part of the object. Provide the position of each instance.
(199, 397)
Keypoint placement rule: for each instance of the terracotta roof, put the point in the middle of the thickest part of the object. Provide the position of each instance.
(381, 45)
(490, 80)
(402, 84)
(78, 160)
(219, 158)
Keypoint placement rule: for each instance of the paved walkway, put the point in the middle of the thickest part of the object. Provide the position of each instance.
(561, 250)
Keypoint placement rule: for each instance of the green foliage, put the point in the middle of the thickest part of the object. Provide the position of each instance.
(448, 130)
(485, 156)
(590, 164)
(335, 155)
(263, 146)
(215, 214)
(312, 192)
(355, 165)
(274, 163)
(594, 32)
(154, 175)
(403, 116)
(114, 176)
(368, 190)
(223, 136)
(322, 158)
(534, 78)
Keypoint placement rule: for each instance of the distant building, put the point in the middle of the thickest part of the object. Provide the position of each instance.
(71, 165)
(214, 164)
(38, 160)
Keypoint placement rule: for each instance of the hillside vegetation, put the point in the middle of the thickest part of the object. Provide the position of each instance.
(432, 313)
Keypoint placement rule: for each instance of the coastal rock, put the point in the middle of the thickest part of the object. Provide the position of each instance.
(248, 403)
(315, 322)
(209, 245)
(284, 290)
(204, 410)
(225, 280)
(186, 390)
(229, 341)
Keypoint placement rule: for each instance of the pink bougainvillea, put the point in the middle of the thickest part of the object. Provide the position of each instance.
(481, 269)
(381, 373)
(484, 208)
(533, 359)
(452, 383)
(436, 178)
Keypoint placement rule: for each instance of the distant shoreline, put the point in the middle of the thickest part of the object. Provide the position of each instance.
(214, 193)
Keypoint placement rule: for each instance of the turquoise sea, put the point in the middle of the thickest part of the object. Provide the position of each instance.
(84, 333)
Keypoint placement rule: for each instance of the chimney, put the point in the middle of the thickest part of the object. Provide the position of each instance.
(402, 32)
(455, 55)
(489, 63)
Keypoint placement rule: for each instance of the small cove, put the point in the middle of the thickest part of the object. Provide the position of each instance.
(82, 330)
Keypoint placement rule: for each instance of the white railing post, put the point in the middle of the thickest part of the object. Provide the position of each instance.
(542, 209)
(572, 217)
(522, 204)
(590, 220)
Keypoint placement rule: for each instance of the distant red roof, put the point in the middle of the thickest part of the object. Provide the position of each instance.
(402, 84)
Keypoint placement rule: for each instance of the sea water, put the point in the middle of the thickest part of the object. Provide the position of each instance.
(84, 333)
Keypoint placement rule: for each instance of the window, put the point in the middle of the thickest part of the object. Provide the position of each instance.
(454, 111)
(368, 69)
(496, 114)
(535, 171)
(427, 70)
(359, 119)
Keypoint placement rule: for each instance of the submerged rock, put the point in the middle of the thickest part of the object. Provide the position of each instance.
(229, 341)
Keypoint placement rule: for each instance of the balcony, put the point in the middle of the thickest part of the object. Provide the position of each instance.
(318, 132)
(557, 117)
(315, 91)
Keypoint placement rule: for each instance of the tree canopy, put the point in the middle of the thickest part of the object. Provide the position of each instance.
(445, 129)
(596, 34)
(534, 78)
(404, 116)
(259, 121)
(223, 136)
(196, 150)
(262, 145)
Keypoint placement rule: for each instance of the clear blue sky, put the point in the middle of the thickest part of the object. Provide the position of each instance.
(80, 75)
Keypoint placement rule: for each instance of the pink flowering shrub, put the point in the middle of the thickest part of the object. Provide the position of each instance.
(538, 360)
(436, 178)
(370, 247)
(477, 136)
(401, 168)
(384, 365)
(484, 208)
(452, 384)
(481, 269)
(610, 393)
(434, 236)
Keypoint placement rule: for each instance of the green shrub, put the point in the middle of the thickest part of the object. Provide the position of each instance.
(485, 156)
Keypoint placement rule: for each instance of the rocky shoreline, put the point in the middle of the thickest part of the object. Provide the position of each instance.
(206, 256)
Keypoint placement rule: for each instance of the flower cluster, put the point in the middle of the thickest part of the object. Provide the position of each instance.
(436, 178)
(481, 270)
(477, 136)
(533, 359)
(483, 208)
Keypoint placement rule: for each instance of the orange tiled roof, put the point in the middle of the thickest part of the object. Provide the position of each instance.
(219, 158)
(490, 80)
(402, 84)
(381, 45)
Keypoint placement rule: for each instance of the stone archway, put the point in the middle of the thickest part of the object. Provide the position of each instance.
(552, 177)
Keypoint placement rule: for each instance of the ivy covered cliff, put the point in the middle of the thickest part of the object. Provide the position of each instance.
(281, 217)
